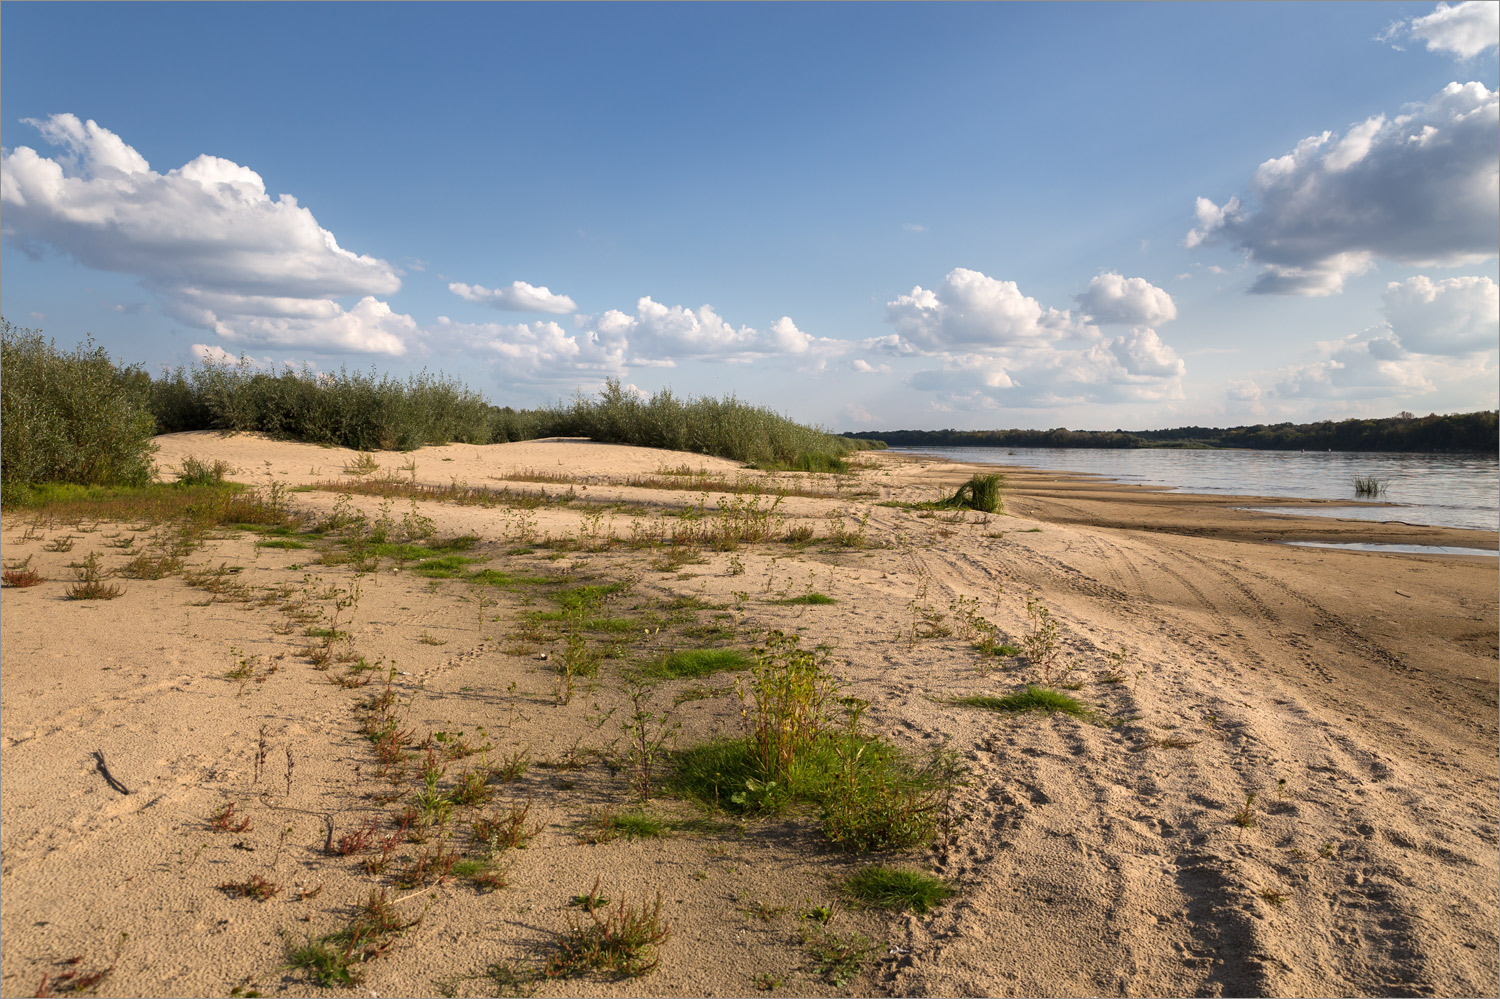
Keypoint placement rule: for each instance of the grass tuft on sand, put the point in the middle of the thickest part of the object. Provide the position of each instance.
(1033, 698)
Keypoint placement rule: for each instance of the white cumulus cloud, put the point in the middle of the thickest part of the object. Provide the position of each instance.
(973, 310)
(997, 345)
(1358, 366)
(519, 297)
(1142, 354)
(656, 336)
(1113, 298)
(1243, 390)
(661, 335)
(1463, 29)
(206, 237)
(534, 352)
(1419, 188)
(1455, 316)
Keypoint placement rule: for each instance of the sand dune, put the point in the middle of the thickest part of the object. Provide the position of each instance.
(1353, 695)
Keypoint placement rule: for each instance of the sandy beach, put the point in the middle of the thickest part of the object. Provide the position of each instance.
(1286, 783)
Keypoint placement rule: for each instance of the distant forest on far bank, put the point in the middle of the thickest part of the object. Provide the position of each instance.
(1402, 432)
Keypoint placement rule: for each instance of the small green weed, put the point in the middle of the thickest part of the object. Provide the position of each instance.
(335, 959)
(90, 583)
(624, 942)
(838, 958)
(255, 887)
(1244, 816)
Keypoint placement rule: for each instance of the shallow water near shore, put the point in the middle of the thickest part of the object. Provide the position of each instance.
(1448, 490)
(1394, 549)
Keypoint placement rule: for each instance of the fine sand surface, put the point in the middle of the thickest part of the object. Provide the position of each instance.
(1353, 694)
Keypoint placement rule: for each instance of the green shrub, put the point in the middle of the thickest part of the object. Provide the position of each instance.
(196, 472)
(70, 417)
(363, 411)
(726, 428)
(117, 409)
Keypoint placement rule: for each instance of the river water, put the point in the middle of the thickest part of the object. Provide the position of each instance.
(1450, 490)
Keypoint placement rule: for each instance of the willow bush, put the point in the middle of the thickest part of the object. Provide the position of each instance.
(78, 417)
(725, 428)
(70, 417)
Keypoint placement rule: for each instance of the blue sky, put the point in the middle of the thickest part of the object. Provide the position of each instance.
(868, 217)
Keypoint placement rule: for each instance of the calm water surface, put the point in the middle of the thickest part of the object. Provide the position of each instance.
(1452, 490)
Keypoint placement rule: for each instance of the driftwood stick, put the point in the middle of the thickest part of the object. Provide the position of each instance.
(109, 778)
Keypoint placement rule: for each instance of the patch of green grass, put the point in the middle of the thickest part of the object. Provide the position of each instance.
(612, 624)
(697, 662)
(326, 965)
(808, 599)
(575, 597)
(867, 789)
(469, 867)
(690, 603)
(336, 958)
(635, 825)
(808, 461)
(287, 543)
(401, 552)
(481, 871)
(504, 580)
(219, 505)
(1033, 698)
(894, 888)
(444, 566)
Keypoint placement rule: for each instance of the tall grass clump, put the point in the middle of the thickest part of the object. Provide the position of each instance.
(1368, 485)
(726, 428)
(70, 416)
(981, 492)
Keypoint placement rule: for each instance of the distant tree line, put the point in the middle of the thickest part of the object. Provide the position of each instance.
(1402, 432)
